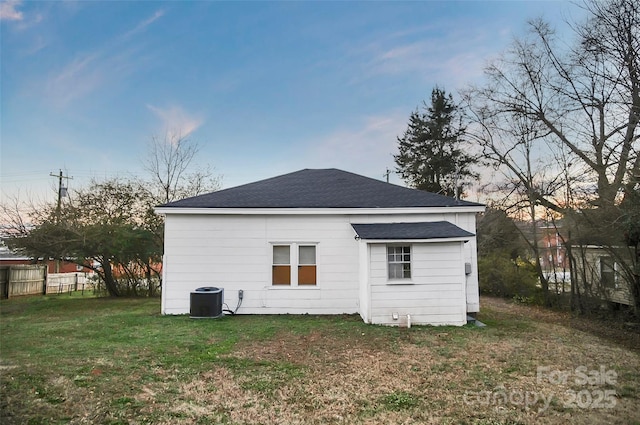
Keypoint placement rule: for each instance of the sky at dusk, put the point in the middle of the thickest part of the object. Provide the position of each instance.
(263, 88)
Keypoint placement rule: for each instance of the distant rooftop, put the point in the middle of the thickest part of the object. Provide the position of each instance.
(6, 254)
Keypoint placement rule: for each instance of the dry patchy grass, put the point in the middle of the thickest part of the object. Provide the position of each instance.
(429, 376)
(338, 371)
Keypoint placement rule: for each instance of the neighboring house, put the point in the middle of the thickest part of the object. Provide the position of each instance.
(554, 260)
(8, 257)
(600, 275)
(66, 267)
(325, 242)
(553, 255)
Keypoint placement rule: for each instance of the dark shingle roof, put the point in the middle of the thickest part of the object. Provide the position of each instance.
(312, 188)
(421, 230)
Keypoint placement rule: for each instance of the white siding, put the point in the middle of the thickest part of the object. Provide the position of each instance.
(365, 288)
(234, 252)
(434, 295)
(466, 221)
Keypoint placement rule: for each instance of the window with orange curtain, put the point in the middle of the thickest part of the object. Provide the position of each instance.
(281, 269)
(306, 265)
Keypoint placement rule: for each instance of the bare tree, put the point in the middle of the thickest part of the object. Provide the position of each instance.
(169, 162)
(582, 101)
(13, 217)
(585, 97)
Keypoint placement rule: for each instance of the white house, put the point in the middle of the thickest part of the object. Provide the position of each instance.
(325, 242)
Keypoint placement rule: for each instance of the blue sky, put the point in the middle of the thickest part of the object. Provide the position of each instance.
(264, 88)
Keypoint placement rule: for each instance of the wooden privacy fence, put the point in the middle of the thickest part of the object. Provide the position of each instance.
(18, 280)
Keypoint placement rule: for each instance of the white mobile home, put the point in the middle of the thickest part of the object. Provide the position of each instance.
(325, 242)
(600, 276)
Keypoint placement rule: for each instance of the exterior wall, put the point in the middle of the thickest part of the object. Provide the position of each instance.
(66, 267)
(589, 272)
(466, 221)
(470, 250)
(365, 288)
(234, 252)
(435, 293)
(553, 254)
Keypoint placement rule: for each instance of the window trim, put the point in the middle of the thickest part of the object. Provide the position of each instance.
(294, 265)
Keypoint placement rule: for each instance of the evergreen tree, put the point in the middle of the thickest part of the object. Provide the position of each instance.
(431, 155)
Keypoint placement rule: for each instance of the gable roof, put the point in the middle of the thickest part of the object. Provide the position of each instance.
(404, 231)
(319, 188)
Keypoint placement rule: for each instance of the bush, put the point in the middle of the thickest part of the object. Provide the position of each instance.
(129, 286)
(501, 276)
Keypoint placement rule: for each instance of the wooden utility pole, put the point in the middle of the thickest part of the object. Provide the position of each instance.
(387, 175)
(62, 191)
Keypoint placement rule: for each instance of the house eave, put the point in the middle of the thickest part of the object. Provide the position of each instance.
(317, 211)
(431, 240)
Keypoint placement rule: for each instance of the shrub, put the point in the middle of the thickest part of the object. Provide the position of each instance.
(501, 276)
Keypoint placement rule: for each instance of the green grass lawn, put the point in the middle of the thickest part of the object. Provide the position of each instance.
(82, 360)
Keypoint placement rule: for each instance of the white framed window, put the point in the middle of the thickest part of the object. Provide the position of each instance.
(399, 262)
(306, 264)
(281, 268)
(294, 264)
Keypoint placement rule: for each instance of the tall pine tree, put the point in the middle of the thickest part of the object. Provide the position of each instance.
(431, 155)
